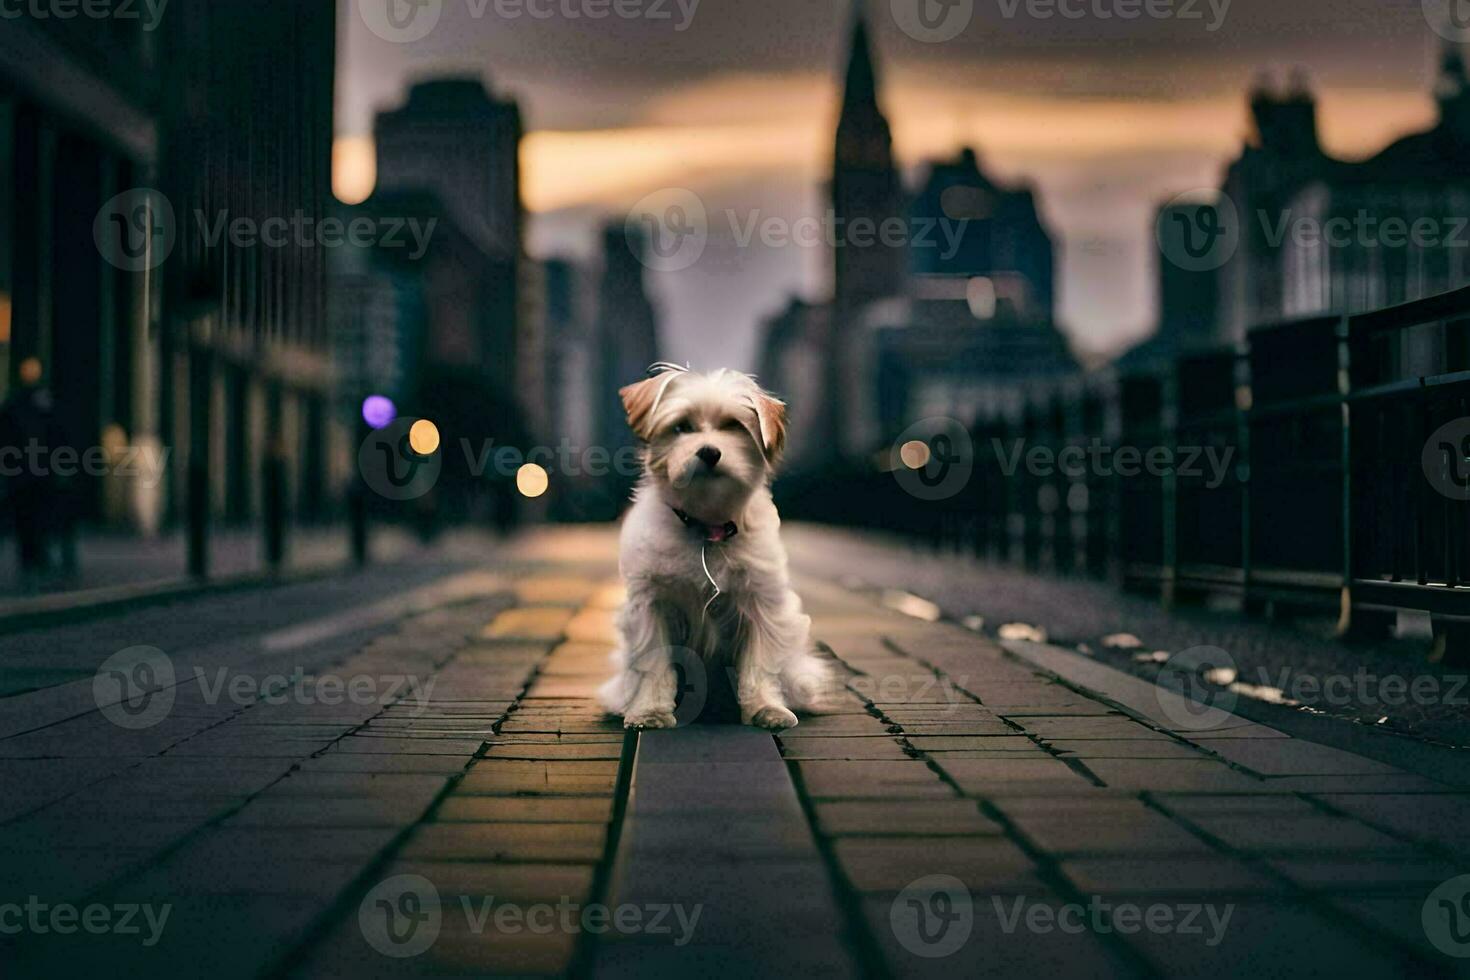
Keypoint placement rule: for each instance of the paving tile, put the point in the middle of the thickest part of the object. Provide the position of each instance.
(1171, 775)
(604, 750)
(1258, 938)
(512, 777)
(1171, 875)
(1274, 832)
(1293, 757)
(983, 864)
(902, 818)
(563, 842)
(529, 623)
(1142, 833)
(1008, 741)
(843, 748)
(978, 777)
(1397, 872)
(999, 944)
(515, 809)
(1132, 748)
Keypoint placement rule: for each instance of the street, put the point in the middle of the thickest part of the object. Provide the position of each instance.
(403, 772)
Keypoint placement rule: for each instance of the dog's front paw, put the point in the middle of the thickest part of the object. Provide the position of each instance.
(651, 719)
(773, 718)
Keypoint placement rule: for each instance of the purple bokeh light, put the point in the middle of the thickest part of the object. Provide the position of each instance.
(378, 411)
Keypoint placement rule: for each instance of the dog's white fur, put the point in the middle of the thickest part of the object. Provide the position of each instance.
(755, 624)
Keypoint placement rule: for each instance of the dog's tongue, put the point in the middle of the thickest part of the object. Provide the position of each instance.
(722, 533)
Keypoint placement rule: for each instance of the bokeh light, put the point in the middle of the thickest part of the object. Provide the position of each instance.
(532, 480)
(915, 454)
(423, 438)
(378, 411)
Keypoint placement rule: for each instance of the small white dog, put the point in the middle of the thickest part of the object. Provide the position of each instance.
(702, 558)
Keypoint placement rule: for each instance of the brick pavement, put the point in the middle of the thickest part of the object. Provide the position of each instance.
(962, 801)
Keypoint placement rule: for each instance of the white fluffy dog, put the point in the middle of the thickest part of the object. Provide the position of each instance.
(702, 558)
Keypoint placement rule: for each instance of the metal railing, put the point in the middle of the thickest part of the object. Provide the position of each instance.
(1295, 469)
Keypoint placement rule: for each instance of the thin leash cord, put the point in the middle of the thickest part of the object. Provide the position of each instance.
(703, 550)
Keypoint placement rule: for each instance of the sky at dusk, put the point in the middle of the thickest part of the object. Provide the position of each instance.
(736, 100)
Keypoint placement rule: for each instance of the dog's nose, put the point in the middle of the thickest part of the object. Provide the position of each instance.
(709, 455)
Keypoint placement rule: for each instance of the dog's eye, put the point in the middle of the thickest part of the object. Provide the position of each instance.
(682, 428)
(731, 425)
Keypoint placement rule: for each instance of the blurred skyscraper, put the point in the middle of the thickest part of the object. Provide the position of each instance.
(626, 339)
(454, 138)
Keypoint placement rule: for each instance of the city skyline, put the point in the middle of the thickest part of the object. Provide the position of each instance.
(1106, 127)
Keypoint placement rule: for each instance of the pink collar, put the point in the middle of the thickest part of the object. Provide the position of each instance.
(713, 534)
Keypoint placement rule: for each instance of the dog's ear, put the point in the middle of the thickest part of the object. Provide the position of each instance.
(770, 412)
(640, 400)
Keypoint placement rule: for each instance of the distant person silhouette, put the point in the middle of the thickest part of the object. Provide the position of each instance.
(29, 433)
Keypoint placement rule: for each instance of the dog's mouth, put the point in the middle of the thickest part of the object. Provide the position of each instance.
(698, 473)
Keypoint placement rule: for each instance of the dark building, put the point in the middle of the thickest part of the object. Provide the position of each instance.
(249, 318)
(1282, 156)
(153, 329)
(1394, 225)
(955, 318)
(626, 336)
(867, 196)
(793, 359)
(79, 120)
(455, 139)
(569, 311)
(1188, 299)
(1321, 235)
(973, 226)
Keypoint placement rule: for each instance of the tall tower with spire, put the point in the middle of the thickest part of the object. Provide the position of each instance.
(866, 193)
(865, 182)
